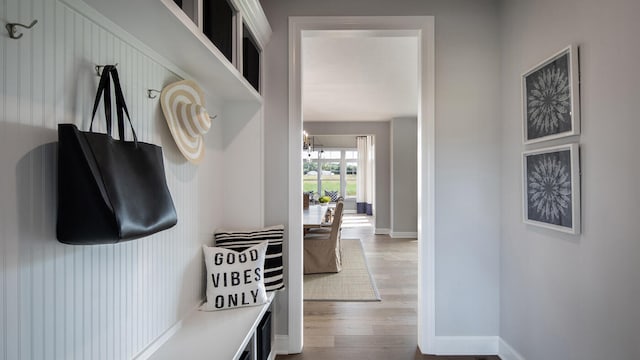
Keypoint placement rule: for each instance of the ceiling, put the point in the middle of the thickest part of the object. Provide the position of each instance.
(354, 77)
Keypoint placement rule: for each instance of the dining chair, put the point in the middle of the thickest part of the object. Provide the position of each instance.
(323, 250)
(325, 229)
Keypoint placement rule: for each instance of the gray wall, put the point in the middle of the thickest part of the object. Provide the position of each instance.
(467, 147)
(335, 141)
(575, 297)
(380, 130)
(404, 176)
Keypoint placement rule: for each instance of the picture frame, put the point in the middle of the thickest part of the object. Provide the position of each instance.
(551, 188)
(551, 98)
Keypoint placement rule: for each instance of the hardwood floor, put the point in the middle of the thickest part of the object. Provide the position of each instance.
(383, 330)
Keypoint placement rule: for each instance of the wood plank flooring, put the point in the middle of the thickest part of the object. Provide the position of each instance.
(383, 330)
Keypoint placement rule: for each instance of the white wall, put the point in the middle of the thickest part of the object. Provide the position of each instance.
(241, 167)
(467, 146)
(575, 297)
(105, 301)
(404, 177)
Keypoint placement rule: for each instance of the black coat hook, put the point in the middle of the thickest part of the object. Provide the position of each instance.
(153, 93)
(99, 69)
(12, 28)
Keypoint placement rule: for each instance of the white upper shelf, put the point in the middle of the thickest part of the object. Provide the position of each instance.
(167, 30)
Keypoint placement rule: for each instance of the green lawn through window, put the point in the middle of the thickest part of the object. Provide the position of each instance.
(330, 183)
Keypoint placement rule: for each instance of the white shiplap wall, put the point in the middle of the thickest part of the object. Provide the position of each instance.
(87, 302)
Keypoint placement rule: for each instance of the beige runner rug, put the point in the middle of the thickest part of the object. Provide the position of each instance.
(353, 283)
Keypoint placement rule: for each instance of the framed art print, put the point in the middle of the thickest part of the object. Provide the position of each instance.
(551, 188)
(551, 98)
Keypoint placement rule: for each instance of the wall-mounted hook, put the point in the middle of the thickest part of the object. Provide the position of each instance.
(99, 68)
(153, 93)
(12, 28)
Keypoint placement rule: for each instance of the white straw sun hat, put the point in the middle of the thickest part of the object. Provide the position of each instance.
(183, 107)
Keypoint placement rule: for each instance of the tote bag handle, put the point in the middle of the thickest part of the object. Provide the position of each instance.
(104, 90)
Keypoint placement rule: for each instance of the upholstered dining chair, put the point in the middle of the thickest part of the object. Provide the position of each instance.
(323, 250)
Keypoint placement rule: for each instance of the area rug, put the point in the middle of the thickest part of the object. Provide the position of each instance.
(353, 283)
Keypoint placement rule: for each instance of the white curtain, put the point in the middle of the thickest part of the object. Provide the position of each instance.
(364, 177)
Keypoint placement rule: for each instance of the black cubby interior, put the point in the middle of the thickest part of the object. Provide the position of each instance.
(250, 59)
(263, 334)
(217, 25)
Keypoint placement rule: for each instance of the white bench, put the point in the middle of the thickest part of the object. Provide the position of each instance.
(217, 335)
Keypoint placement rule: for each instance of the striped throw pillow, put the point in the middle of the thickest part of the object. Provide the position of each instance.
(240, 240)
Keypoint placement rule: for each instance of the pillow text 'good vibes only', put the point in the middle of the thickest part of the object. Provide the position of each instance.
(234, 279)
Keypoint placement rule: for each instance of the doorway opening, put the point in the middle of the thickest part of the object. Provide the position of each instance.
(420, 28)
(339, 165)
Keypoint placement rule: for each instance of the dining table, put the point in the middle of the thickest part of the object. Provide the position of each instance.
(317, 216)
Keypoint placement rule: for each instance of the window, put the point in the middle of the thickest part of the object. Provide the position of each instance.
(331, 170)
(350, 178)
(351, 170)
(330, 177)
(310, 171)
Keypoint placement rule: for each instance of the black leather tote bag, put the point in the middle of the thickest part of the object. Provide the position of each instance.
(110, 190)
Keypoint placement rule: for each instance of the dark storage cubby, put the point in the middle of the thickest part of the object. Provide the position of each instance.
(250, 59)
(217, 25)
(188, 7)
(263, 334)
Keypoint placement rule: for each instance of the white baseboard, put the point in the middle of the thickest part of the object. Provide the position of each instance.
(281, 344)
(444, 345)
(382, 231)
(506, 352)
(466, 345)
(404, 234)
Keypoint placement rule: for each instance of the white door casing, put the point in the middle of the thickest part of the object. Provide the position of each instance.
(421, 28)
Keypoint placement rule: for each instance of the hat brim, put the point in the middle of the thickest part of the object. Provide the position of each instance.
(187, 91)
